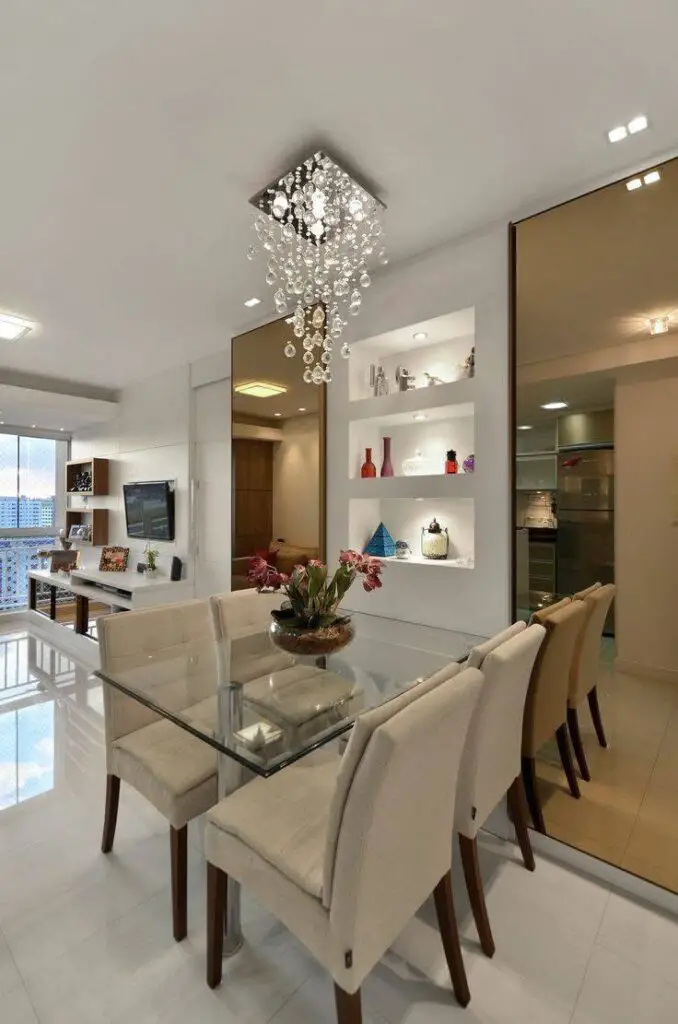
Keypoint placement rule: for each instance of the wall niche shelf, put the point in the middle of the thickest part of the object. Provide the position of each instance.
(441, 485)
(402, 405)
(419, 561)
(95, 518)
(98, 468)
(82, 514)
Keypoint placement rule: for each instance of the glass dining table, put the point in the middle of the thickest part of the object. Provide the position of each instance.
(262, 709)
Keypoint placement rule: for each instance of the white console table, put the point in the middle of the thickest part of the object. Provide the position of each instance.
(124, 590)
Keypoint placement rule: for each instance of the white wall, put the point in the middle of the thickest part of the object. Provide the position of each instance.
(148, 439)
(646, 527)
(212, 465)
(296, 494)
(474, 273)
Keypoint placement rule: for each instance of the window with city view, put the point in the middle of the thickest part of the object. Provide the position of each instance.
(29, 509)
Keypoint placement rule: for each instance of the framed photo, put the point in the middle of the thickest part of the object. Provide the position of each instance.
(79, 531)
(114, 559)
(64, 561)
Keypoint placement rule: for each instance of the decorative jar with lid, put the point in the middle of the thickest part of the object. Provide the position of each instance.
(435, 540)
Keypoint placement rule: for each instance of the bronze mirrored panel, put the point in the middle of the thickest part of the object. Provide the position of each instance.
(596, 503)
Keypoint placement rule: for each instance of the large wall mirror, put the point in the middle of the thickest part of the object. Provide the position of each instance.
(596, 502)
(278, 431)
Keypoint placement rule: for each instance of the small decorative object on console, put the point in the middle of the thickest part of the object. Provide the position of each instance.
(451, 464)
(368, 468)
(404, 379)
(309, 623)
(65, 543)
(402, 549)
(435, 540)
(387, 465)
(469, 464)
(470, 363)
(381, 544)
(64, 561)
(430, 379)
(151, 554)
(113, 559)
(83, 482)
(378, 381)
(79, 531)
(419, 465)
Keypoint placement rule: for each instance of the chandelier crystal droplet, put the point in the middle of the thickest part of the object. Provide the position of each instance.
(317, 228)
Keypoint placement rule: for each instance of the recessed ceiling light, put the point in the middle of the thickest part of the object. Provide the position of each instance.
(254, 301)
(13, 328)
(659, 325)
(260, 389)
(302, 408)
(418, 499)
(554, 405)
(62, 429)
(651, 177)
(419, 416)
(617, 134)
(420, 336)
(277, 414)
(634, 184)
(638, 124)
(32, 426)
(524, 426)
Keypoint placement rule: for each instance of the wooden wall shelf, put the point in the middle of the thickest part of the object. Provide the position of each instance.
(99, 470)
(95, 518)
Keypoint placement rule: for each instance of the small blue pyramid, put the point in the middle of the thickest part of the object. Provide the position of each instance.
(381, 544)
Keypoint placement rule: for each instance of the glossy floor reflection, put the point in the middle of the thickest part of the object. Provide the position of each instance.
(86, 938)
(628, 812)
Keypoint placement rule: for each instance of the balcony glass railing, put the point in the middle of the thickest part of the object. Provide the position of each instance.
(18, 555)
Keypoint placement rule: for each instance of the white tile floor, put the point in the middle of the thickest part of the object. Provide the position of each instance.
(87, 938)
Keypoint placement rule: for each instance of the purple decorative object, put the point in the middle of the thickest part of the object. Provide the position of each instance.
(469, 464)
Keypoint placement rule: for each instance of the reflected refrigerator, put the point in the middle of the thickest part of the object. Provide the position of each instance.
(585, 546)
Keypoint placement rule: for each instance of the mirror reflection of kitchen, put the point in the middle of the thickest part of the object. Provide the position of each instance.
(596, 502)
(278, 455)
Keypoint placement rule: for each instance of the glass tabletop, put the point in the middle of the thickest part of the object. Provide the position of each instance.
(265, 708)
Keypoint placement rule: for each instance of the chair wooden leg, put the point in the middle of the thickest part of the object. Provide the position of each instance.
(532, 794)
(349, 1010)
(449, 933)
(518, 805)
(578, 746)
(474, 886)
(217, 895)
(594, 707)
(179, 857)
(566, 758)
(111, 812)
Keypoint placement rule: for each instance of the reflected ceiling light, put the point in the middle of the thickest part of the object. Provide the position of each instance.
(659, 325)
(62, 429)
(33, 426)
(302, 408)
(13, 328)
(420, 336)
(651, 177)
(633, 184)
(617, 134)
(419, 416)
(524, 426)
(260, 389)
(554, 405)
(254, 301)
(638, 124)
(277, 414)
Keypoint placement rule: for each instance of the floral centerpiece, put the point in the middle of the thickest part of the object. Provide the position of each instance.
(309, 621)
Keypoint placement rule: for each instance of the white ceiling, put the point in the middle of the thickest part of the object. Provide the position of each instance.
(34, 408)
(133, 135)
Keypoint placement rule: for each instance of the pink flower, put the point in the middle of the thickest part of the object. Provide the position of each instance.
(349, 557)
(372, 582)
(264, 575)
(315, 562)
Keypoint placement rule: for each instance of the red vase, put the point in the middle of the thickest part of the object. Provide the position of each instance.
(368, 467)
(387, 465)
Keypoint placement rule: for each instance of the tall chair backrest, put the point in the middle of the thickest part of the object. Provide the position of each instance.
(491, 759)
(394, 842)
(243, 613)
(481, 651)
(546, 705)
(150, 640)
(586, 662)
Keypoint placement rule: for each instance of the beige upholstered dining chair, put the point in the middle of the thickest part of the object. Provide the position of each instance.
(345, 850)
(243, 617)
(490, 767)
(585, 669)
(546, 704)
(175, 771)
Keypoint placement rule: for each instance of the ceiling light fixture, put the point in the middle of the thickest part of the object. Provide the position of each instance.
(633, 184)
(302, 408)
(659, 325)
(524, 426)
(651, 177)
(32, 426)
(260, 389)
(419, 416)
(319, 228)
(420, 336)
(554, 405)
(13, 328)
(254, 301)
(638, 124)
(617, 134)
(62, 429)
(277, 414)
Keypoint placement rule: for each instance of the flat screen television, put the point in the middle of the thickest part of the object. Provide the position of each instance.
(149, 509)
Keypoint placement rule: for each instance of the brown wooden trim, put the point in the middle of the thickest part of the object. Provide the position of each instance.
(512, 424)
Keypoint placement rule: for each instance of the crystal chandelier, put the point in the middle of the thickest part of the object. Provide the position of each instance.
(320, 229)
